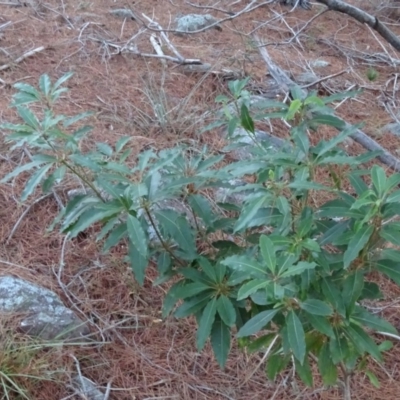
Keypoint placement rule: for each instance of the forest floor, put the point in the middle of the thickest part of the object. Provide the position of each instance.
(143, 356)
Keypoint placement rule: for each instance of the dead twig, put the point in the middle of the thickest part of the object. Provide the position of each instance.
(19, 59)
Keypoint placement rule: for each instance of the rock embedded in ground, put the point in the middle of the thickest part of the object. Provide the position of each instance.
(42, 312)
(195, 22)
(87, 389)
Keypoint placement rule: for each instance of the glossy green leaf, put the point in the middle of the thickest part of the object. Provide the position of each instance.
(373, 378)
(251, 287)
(202, 208)
(338, 347)
(256, 323)
(276, 363)
(249, 211)
(246, 264)
(268, 252)
(245, 119)
(220, 341)
(316, 307)
(119, 233)
(320, 324)
(191, 289)
(34, 181)
(298, 269)
(327, 368)
(333, 295)
(226, 310)
(365, 318)
(296, 336)
(137, 235)
(45, 84)
(28, 116)
(138, 263)
(357, 243)
(352, 289)
(206, 322)
(391, 233)
(378, 177)
(362, 341)
(390, 268)
(304, 372)
(194, 305)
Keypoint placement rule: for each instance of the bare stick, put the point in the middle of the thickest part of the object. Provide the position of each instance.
(359, 136)
(19, 59)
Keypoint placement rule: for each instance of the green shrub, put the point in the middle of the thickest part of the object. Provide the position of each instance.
(285, 273)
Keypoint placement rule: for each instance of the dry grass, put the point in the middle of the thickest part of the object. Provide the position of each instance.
(142, 356)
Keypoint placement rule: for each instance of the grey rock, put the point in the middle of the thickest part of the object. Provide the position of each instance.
(87, 389)
(42, 312)
(123, 13)
(306, 78)
(320, 63)
(194, 22)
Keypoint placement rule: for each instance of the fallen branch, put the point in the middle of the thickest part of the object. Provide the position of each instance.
(283, 80)
(19, 59)
(364, 18)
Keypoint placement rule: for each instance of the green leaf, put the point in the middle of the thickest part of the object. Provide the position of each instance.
(296, 336)
(329, 120)
(359, 185)
(194, 305)
(256, 323)
(29, 89)
(171, 299)
(276, 363)
(45, 84)
(28, 116)
(34, 181)
(390, 268)
(202, 208)
(246, 264)
(352, 288)
(363, 317)
(220, 341)
(206, 322)
(391, 233)
(245, 119)
(105, 149)
(320, 324)
(393, 197)
(179, 229)
(326, 366)
(298, 269)
(138, 263)
(294, 107)
(89, 217)
(72, 120)
(304, 372)
(378, 177)
(226, 310)
(371, 291)
(115, 236)
(316, 307)
(362, 341)
(386, 345)
(333, 233)
(268, 252)
(62, 80)
(191, 289)
(338, 347)
(22, 168)
(373, 378)
(249, 211)
(137, 236)
(357, 243)
(251, 287)
(208, 268)
(333, 295)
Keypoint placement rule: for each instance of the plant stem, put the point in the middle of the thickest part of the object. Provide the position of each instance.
(346, 383)
(163, 244)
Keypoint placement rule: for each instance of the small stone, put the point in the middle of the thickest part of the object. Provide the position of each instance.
(195, 22)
